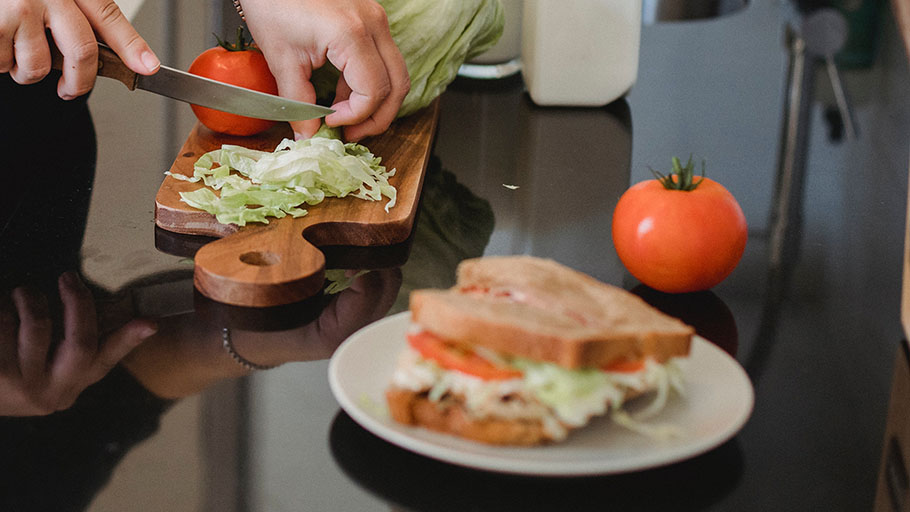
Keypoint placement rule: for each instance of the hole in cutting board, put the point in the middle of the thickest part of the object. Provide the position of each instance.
(260, 259)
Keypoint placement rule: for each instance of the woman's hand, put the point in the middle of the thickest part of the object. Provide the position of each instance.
(73, 24)
(299, 36)
(187, 355)
(37, 376)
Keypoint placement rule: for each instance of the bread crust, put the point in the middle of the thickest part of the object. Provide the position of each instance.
(451, 417)
(542, 310)
(413, 408)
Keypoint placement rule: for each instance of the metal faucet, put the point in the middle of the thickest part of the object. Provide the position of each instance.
(812, 39)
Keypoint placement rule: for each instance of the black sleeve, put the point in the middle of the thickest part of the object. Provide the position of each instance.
(59, 462)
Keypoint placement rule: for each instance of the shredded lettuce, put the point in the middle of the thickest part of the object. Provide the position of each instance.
(275, 184)
(665, 379)
(658, 432)
(574, 395)
(339, 281)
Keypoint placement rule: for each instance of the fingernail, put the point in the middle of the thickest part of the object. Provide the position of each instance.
(151, 61)
(148, 331)
(69, 278)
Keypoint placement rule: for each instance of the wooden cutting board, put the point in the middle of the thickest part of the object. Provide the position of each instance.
(280, 262)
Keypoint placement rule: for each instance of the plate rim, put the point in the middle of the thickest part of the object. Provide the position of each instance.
(399, 434)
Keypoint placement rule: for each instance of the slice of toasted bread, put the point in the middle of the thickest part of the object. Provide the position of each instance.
(414, 408)
(451, 416)
(538, 309)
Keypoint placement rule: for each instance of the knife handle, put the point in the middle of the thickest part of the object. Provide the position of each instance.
(109, 64)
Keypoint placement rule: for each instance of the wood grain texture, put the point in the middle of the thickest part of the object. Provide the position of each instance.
(280, 263)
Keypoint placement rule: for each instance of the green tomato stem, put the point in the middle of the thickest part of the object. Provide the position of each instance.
(241, 45)
(684, 175)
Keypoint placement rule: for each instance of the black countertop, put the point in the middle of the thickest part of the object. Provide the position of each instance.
(817, 335)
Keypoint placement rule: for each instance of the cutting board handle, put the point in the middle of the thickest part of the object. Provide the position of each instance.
(260, 266)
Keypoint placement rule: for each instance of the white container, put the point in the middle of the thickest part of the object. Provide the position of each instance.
(579, 52)
(509, 45)
(503, 59)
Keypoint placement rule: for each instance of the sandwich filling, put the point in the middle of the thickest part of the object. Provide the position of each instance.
(488, 384)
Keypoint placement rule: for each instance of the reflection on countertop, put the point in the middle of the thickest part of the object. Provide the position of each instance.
(414, 482)
(508, 177)
(552, 175)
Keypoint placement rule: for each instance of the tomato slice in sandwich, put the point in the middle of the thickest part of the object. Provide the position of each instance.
(626, 366)
(452, 357)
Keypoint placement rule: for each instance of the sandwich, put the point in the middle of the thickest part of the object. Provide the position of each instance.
(523, 350)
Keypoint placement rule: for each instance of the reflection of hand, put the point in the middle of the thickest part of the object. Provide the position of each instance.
(368, 299)
(299, 36)
(186, 356)
(24, 50)
(38, 378)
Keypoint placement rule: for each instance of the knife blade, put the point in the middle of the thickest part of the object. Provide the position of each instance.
(202, 91)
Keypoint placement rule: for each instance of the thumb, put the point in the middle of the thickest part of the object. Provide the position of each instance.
(120, 342)
(294, 84)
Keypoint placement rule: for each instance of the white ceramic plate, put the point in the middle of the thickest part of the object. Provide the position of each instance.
(718, 402)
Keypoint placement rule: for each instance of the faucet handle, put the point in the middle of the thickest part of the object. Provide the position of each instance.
(825, 32)
(840, 97)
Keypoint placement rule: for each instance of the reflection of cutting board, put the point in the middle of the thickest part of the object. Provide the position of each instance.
(279, 263)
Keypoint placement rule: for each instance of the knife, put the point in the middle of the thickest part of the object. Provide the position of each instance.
(201, 91)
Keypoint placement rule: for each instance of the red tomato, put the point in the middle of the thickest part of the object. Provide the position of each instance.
(242, 65)
(626, 366)
(677, 240)
(459, 359)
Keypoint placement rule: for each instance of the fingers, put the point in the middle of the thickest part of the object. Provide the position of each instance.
(294, 83)
(75, 40)
(373, 293)
(120, 343)
(374, 79)
(26, 54)
(342, 90)
(35, 333)
(364, 72)
(81, 360)
(354, 36)
(390, 281)
(33, 383)
(31, 60)
(8, 27)
(77, 350)
(369, 298)
(116, 31)
(379, 96)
